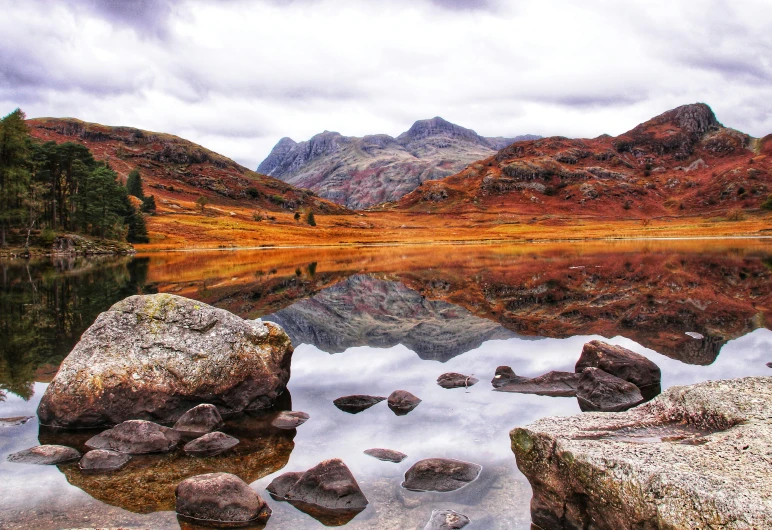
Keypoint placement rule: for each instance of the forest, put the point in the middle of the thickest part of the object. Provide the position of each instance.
(47, 189)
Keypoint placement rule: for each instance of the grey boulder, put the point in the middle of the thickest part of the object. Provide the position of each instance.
(440, 474)
(103, 460)
(136, 437)
(219, 499)
(211, 444)
(45, 455)
(154, 357)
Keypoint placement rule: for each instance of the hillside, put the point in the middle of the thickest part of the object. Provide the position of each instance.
(361, 172)
(683, 162)
(177, 171)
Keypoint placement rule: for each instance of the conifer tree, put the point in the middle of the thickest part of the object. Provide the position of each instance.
(134, 184)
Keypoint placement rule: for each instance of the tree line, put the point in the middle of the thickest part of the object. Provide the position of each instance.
(61, 188)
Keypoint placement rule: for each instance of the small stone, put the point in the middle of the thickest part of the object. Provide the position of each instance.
(211, 444)
(220, 499)
(446, 520)
(401, 402)
(769, 365)
(279, 486)
(14, 421)
(456, 380)
(103, 460)
(289, 420)
(329, 485)
(506, 376)
(136, 437)
(356, 403)
(45, 455)
(440, 474)
(201, 419)
(601, 391)
(386, 455)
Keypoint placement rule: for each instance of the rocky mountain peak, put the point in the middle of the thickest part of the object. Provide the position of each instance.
(438, 127)
(278, 153)
(695, 118)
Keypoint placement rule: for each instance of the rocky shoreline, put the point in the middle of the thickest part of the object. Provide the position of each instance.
(70, 245)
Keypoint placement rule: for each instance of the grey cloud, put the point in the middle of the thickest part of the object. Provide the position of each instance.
(466, 5)
(149, 18)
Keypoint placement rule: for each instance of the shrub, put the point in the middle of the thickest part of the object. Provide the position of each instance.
(310, 218)
(252, 192)
(767, 205)
(201, 202)
(47, 237)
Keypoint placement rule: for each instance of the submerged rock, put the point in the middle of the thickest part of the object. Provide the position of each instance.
(357, 403)
(280, 486)
(45, 455)
(446, 520)
(620, 362)
(558, 384)
(201, 419)
(155, 356)
(401, 402)
(387, 455)
(440, 474)
(220, 499)
(600, 391)
(506, 376)
(211, 444)
(289, 419)
(14, 421)
(136, 437)
(629, 470)
(103, 460)
(456, 380)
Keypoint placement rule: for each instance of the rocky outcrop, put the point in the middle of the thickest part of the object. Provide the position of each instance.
(220, 499)
(694, 457)
(440, 474)
(154, 357)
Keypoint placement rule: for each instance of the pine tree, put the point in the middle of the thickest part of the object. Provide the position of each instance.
(310, 218)
(134, 184)
(14, 171)
(148, 204)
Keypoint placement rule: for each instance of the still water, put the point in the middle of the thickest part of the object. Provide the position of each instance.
(371, 321)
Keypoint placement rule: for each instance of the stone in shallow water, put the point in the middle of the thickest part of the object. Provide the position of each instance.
(100, 460)
(211, 444)
(401, 402)
(279, 486)
(136, 437)
(289, 420)
(600, 391)
(219, 499)
(620, 362)
(15, 421)
(506, 376)
(201, 419)
(356, 403)
(456, 380)
(446, 520)
(440, 474)
(387, 455)
(45, 455)
(769, 365)
(556, 384)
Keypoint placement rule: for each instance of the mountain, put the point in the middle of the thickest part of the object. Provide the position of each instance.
(361, 172)
(176, 169)
(683, 161)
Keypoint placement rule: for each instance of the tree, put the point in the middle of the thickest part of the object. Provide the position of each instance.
(201, 202)
(134, 184)
(148, 204)
(14, 171)
(310, 218)
(102, 206)
(297, 216)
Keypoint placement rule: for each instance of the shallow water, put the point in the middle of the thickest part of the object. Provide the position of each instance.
(371, 321)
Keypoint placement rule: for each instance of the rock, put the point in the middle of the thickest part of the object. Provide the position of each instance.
(446, 520)
(328, 492)
(440, 474)
(401, 402)
(155, 356)
(211, 444)
(506, 376)
(620, 362)
(289, 420)
(769, 365)
(220, 498)
(201, 419)
(694, 457)
(136, 437)
(387, 455)
(280, 486)
(100, 460)
(14, 421)
(455, 380)
(357, 403)
(558, 384)
(45, 455)
(602, 391)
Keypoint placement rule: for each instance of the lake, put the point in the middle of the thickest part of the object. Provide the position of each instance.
(371, 321)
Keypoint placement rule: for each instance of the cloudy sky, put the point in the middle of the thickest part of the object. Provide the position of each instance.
(237, 75)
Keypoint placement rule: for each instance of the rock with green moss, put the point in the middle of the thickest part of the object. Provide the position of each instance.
(694, 457)
(154, 357)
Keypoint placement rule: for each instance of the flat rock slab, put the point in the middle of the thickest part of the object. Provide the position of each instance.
(608, 471)
(556, 384)
(211, 444)
(103, 460)
(356, 403)
(219, 499)
(289, 419)
(387, 455)
(601, 391)
(280, 486)
(45, 455)
(136, 437)
(201, 419)
(446, 520)
(620, 362)
(440, 474)
(153, 357)
(401, 402)
(456, 380)
(14, 421)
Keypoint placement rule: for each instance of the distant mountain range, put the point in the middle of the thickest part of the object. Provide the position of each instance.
(361, 172)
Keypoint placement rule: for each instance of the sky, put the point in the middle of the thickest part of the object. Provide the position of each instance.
(238, 75)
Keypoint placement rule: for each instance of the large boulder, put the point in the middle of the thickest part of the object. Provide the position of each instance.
(621, 362)
(154, 357)
(694, 457)
(220, 499)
